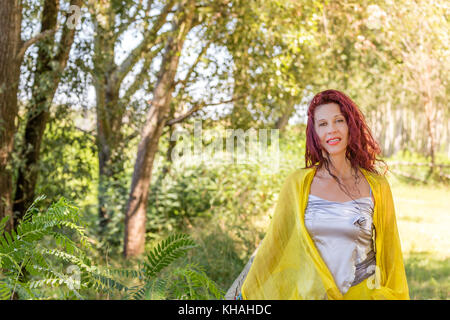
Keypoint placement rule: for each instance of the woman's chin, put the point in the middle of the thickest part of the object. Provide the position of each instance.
(332, 152)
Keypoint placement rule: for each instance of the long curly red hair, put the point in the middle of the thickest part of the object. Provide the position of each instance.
(362, 149)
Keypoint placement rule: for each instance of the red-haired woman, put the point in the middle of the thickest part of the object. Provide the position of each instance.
(334, 233)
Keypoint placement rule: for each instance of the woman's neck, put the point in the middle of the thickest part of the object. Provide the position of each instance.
(341, 167)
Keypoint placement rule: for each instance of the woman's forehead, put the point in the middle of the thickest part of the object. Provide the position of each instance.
(328, 110)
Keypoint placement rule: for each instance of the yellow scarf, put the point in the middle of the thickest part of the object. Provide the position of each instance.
(289, 266)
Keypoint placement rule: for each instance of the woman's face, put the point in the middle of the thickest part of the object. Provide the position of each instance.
(331, 128)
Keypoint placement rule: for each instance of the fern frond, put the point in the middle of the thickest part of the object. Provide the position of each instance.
(140, 294)
(107, 283)
(165, 253)
(32, 209)
(8, 262)
(157, 289)
(195, 284)
(64, 256)
(5, 290)
(53, 282)
(126, 273)
(3, 224)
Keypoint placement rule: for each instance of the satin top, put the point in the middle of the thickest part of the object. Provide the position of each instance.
(342, 233)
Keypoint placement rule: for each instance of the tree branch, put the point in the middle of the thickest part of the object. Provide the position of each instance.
(136, 53)
(188, 75)
(33, 40)
(121, 28)
(197, 107)
(67, 38)
(143, 74)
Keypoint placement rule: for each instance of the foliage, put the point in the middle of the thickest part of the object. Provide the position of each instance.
(44, 240)
(186, 282)
(274, 51)
(68, 164)
(31, 256)
(238, 201)
(181, 196)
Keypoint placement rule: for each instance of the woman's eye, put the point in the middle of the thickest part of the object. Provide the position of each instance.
(324, 123)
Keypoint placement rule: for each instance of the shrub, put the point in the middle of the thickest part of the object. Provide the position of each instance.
(46, 241)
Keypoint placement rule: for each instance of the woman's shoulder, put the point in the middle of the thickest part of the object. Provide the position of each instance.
(298, 175)
(380, 178)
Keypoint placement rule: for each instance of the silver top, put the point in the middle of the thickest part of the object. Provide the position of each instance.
(342, 233)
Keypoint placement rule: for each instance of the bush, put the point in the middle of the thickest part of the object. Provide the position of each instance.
(33, 257)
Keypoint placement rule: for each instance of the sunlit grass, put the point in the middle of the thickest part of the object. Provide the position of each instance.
(423, 218)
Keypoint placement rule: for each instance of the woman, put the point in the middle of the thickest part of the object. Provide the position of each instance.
(334, 233)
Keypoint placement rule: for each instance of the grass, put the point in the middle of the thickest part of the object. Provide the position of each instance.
(428, 278)
(423, 218)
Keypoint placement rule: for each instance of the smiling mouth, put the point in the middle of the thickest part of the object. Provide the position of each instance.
(333, 141)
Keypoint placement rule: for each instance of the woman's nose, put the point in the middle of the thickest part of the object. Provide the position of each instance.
(332, 128)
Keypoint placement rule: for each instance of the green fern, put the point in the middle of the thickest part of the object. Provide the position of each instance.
(166, 252)
(43, 240)
(188, 282)
(192, 283)
(5, 290)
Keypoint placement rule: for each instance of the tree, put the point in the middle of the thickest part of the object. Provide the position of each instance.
(50, 63)
(11, 46)
(111, 19)
(12, 51)
(134, 243)
(419, 36)
(213, 18)
(274, 47)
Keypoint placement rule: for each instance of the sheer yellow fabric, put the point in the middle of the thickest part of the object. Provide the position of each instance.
(289, 266)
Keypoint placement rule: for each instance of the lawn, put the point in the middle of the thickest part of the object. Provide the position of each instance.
(423, 217)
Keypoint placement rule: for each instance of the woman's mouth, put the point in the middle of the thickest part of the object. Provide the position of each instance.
(333, 141)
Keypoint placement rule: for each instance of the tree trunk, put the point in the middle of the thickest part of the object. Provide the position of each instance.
(10, 45)
(241, 117)
(135, 219)
(110, 108)
(47, 77)
(430, 114)
(109, 144)
(282, 121)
